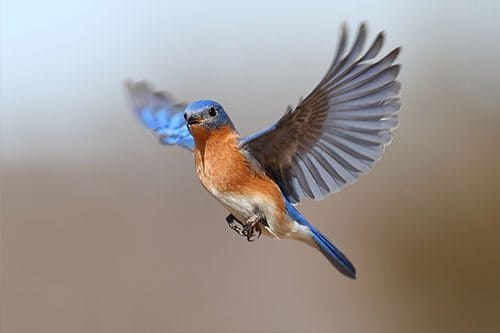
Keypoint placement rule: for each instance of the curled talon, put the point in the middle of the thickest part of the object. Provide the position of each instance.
(328, 140)
(238, 228)
(252, 230)
(256, 233)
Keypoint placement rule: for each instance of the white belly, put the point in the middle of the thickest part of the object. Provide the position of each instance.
(245, 207)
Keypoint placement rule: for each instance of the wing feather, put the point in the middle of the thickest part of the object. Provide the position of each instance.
(340, 129)
(158, 112)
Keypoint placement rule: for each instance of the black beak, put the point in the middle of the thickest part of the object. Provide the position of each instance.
(193, 120)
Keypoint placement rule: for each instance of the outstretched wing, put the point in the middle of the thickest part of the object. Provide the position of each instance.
(339, 130)
(157, 111)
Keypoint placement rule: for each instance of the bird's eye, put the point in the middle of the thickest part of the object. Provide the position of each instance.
(212, 112)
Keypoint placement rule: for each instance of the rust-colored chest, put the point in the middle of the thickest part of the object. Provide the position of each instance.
(219, 163)
(227, 175)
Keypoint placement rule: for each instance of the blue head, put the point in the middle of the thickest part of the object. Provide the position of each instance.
(208, 114)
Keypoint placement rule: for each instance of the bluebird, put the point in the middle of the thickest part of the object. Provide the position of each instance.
(326, 142)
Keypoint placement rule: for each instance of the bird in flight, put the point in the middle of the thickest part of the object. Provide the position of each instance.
(326, 142)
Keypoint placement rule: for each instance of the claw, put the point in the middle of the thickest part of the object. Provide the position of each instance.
(250, 230)
(238, 228)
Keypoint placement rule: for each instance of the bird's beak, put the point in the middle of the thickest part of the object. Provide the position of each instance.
(193, 120)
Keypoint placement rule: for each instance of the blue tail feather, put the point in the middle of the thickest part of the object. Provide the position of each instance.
(336, 258)
(334, 255)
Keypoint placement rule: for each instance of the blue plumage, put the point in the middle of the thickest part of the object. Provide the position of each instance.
(211, 113)
(158, 113)
(333, 136)
(334, 255)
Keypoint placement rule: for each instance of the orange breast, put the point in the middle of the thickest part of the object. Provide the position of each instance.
(222, 167)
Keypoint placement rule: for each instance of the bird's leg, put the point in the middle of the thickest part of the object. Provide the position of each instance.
(231, 222)
(251, 229)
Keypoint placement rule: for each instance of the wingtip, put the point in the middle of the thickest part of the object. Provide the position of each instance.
(363, 27)
(128, 84)
(380, 36)
(394, 54)
(362, 32)
(343, 27)
(344, 32)
(397, 69)
(133, 84)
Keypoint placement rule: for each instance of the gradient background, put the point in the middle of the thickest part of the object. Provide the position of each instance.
(104, 230)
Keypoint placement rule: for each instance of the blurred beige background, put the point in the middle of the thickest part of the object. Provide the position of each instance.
(104, 230)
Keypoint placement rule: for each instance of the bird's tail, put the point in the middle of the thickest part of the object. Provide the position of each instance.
(334, 255)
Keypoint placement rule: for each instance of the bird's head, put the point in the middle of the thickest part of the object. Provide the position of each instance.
(207, 114)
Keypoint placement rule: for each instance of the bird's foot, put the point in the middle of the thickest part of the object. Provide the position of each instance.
(250, 229)
(235, 224)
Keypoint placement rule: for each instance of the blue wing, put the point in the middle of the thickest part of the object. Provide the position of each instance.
(158, 113)
(339, 130)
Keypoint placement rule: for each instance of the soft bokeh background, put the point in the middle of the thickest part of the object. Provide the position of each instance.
(104, 230)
